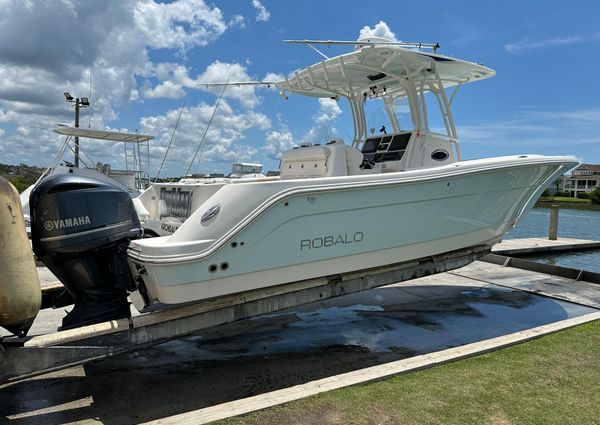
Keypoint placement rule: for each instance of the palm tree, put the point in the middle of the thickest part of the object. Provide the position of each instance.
(557, 184)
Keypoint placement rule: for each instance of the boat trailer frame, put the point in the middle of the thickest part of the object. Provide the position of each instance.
(27, 357)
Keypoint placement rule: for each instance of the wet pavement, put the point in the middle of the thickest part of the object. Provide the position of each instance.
(281, 350)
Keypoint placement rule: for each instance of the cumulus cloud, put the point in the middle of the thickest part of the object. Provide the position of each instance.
(379, 30)
(237, 21)
(60, 56)
(173, 79)
(181, 24)
(262, 14)
(278, 142)
(66, 40)
(45, 47)
(324, 129)
(224, 141)
(219, 72)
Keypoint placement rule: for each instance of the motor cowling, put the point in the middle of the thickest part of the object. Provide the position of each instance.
(80, 229)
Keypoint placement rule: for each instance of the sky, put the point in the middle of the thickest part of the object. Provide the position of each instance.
(142, 62)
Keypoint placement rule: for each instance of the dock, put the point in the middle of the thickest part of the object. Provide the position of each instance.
(273, 346)
(533, 246)
(473, 275)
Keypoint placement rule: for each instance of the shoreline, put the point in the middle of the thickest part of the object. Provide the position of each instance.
(568, 205)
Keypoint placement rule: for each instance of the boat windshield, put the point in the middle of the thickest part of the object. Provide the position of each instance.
(242, 168)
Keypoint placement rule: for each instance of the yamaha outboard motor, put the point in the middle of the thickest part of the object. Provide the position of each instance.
(80, 229)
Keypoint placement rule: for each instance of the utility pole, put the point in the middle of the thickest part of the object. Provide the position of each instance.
(79, 103)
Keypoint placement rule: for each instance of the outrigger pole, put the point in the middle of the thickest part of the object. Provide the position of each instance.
(432, 46)
(240, 83)
(208, 126)
(170, 141)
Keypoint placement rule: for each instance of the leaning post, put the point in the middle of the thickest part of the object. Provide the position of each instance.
(553, 231)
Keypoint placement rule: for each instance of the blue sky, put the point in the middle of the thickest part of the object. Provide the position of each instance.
(146, 58)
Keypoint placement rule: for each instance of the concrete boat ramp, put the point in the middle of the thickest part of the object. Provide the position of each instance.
(264, 360)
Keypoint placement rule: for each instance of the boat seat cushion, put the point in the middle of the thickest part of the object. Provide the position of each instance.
(354, 158)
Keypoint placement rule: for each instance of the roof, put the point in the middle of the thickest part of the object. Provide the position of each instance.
(248, 164)
(591, 167)
(102, 134)
(377, 70)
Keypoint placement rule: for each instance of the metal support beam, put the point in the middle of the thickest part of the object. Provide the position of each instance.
(524, 264)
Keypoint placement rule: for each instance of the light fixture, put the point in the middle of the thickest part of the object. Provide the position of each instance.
(84, 102)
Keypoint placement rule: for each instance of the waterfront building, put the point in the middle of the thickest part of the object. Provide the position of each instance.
(584, 178)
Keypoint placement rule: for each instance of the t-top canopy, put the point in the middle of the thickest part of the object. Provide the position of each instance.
(102, 134)
(376, 70)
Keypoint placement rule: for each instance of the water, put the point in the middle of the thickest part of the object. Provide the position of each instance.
(572, 223)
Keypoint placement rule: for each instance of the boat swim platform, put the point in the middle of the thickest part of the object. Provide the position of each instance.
(237, 367)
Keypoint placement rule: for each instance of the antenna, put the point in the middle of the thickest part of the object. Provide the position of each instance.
(240, 83)
(170, 141)
(89, 97)
(208, 125)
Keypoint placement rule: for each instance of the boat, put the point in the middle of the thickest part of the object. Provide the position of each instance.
(164, 206)
(134, 178)
(246, 170)
(400, 195)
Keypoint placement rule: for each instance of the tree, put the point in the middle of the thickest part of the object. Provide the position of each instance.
(18, 183)
(595, 195)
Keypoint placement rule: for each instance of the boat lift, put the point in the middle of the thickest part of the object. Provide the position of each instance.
(22, 358)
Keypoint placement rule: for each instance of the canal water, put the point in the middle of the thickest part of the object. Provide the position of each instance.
(572, 223)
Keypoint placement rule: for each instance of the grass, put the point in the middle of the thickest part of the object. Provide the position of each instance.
(564, 199)
(551, 380)
(566, 202)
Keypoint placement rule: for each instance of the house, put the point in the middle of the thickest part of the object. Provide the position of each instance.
(584, 178)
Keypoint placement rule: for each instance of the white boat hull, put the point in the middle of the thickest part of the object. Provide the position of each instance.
(304, 229)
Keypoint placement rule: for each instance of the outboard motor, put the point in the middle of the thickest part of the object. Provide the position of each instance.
(80, 229)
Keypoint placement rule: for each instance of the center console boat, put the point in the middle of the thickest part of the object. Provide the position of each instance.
(400, 195)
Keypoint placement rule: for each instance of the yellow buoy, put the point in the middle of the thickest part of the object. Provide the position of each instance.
(20, 293)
